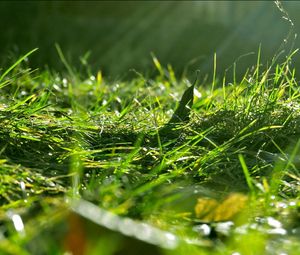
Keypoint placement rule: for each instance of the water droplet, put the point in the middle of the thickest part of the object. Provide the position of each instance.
(273, 222)
(281, 205)
(17, 222)
(29, 179)
(202, 229)
(224, 227)
(22, 185)
(56, 87)
(277, 231)
(51, 184)
(65, 82)
(292, 203)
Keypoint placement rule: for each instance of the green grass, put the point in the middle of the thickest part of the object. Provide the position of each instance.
(216, 172)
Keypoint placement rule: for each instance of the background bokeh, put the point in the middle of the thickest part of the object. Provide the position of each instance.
(117, 36)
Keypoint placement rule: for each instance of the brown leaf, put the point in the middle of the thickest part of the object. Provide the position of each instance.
(75, 240)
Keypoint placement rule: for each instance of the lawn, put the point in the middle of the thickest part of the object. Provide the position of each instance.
(154, 165)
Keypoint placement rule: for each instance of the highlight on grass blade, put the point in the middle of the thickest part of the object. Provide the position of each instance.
(246, 173)
(158, 65)
(15, 65)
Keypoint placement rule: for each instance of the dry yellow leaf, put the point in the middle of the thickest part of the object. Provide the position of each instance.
(209, 209)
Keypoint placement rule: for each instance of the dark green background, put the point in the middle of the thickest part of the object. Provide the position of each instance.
(120, 36)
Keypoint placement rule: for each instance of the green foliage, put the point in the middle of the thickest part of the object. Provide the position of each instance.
(139, 156)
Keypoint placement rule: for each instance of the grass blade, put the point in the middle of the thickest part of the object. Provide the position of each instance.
(246, 173)
(15, 65)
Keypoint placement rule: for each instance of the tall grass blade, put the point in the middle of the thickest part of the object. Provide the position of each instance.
(246, 173)
(14, 66)
(64, 61)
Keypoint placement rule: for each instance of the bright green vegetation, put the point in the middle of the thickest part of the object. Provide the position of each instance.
(222, 177)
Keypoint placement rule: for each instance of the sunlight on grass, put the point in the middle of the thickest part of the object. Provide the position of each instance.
(212, 173)
(156, 165)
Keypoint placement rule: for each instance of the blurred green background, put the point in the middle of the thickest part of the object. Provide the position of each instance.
(117, 36)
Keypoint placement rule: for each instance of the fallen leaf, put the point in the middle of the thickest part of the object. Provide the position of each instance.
(211, 210)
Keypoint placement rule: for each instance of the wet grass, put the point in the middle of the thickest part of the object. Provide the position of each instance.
(92, 166)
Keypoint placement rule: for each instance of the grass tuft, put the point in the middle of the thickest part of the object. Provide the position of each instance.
(135, 149)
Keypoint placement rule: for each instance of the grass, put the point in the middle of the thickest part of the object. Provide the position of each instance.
(92, 166)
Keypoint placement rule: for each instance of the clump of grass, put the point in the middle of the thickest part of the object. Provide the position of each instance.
(131, 149)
